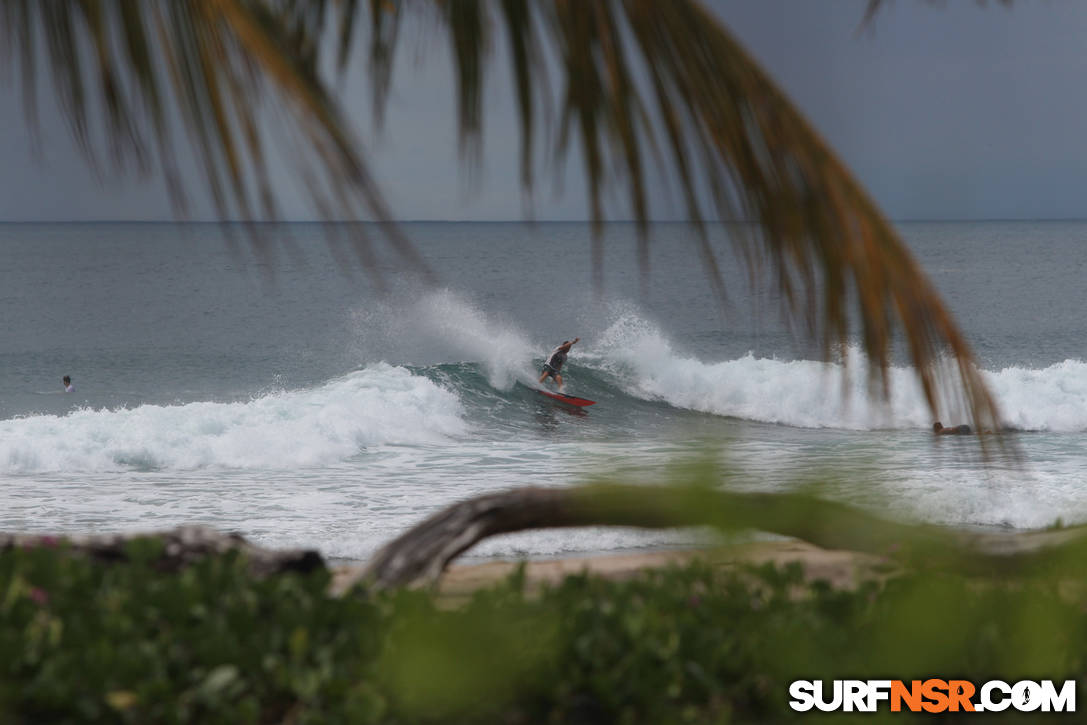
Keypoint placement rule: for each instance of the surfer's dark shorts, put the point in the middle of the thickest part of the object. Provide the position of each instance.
(551, 372)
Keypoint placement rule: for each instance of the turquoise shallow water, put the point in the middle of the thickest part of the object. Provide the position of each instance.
(267, 391)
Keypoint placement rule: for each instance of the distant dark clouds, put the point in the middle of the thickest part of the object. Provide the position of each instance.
(943, 111)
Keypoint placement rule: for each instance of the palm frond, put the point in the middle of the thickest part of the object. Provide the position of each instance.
(636, 73)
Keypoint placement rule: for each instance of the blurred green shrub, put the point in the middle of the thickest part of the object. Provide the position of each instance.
(87, 642)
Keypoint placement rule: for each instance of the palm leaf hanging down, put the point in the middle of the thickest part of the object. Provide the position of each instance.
(630, 75)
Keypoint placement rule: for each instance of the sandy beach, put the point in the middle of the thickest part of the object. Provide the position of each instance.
(841, 569)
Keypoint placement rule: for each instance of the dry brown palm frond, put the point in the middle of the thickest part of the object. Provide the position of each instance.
(632, 75)
(638, 74)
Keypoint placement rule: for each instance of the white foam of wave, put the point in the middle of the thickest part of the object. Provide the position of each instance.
(502, 350)
(441, 326)
(800, 393)
(1047, 399)
(809, 394)
(379, 405)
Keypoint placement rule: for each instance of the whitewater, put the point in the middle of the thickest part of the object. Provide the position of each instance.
(335, 422)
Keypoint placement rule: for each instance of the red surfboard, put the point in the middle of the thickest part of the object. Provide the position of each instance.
(564, 398)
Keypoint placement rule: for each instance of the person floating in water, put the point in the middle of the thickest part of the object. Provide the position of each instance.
(68, 387)
(939, 429)
(555, 361)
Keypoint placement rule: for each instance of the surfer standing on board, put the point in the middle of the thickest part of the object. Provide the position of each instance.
(555, 361)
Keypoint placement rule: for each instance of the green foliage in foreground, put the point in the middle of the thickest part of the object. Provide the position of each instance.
(87, 642)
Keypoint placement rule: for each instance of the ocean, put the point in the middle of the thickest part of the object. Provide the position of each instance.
(258, 380)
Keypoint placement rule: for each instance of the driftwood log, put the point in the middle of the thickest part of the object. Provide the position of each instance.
(421, 554)
(181, 547)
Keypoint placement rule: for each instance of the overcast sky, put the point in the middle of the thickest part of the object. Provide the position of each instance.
(947, 111)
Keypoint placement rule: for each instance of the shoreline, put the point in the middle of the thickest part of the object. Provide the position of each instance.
(842, 569)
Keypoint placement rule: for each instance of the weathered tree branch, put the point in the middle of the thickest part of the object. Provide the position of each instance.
(421, 554)
(181, 547)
